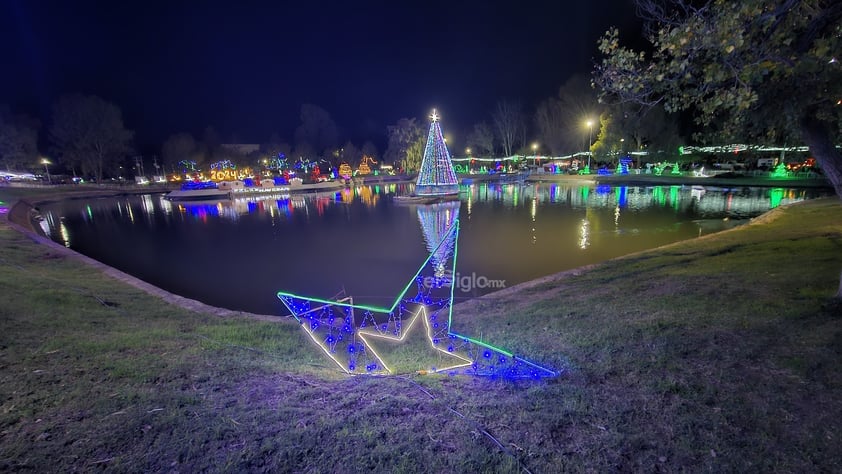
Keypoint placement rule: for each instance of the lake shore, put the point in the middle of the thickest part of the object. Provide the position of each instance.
(721, 353)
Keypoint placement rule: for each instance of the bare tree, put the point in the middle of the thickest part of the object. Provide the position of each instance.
(509, 124)
(178, 147)
(550, 122)
(481, 139)
(88, 131)
(18, 140)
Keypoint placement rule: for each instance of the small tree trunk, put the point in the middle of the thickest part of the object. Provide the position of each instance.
(817, 136)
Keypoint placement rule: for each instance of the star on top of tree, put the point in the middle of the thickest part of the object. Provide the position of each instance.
(434, 116)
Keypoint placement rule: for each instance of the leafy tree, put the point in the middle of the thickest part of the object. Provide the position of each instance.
(509, 125)
(481, 139)
(317, 129)
(369, 149)
(18, 140)
(275, 148)
(88, 132)
(609, 141)
(350, 154)
(178, 147)
(406, 144)
(629, 128)
(754, 69)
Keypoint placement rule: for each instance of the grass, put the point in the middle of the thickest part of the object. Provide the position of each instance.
(717, 354)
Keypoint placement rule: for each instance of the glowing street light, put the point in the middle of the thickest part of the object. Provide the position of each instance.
(46, 164)
(534, 153)
(590, 137)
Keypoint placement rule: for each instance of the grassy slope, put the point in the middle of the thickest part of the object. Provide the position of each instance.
(719, 354)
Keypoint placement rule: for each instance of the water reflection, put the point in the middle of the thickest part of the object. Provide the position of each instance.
(237, 253)
(436, 221)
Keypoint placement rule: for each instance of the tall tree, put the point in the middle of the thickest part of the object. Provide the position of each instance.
(369, 149)
(350, 154)
(481, 139)
(18, 140)
(88, 131)
(579, 105)
(509, 124)
(317, 129)
(550, 123)
(629, 128)
(406, 144)
(753, 69)
(178, 147)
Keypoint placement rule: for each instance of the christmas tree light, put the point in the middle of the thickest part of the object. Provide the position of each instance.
(437, 176)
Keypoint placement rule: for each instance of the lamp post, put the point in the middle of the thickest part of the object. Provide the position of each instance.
(590, 136)
(46, 162)
(534, 153)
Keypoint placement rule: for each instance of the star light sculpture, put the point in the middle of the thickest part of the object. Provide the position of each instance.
(363, 339)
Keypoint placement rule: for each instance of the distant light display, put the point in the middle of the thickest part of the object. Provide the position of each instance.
(437, 176)
(364, 339)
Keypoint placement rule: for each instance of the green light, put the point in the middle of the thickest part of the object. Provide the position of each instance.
(674, 196)
(775, 197)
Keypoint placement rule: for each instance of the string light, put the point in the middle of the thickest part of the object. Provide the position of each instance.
(437, 176)
(332, 324)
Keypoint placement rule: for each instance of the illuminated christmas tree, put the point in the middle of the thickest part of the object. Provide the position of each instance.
(437, 177)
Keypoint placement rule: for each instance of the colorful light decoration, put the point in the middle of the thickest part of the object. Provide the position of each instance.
(348, 333)
(364, 167)
(345, 170)
(436, 177)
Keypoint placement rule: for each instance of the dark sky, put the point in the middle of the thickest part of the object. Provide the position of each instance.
(246, 67)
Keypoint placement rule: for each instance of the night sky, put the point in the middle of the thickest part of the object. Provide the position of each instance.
(246, 67)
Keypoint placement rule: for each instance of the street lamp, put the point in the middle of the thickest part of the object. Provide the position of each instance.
(590, 136)
(534, 153)
(46, 162)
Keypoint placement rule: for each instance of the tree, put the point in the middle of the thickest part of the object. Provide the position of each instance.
(754, 69)
(178, 147)
(369, 149)
(88, 132)
(509, 124)
(350, 154)
(18, 140)
(481, 139)
(627, 128)
(406, 144)
(550, 123)
(277, 151)
(317, 129)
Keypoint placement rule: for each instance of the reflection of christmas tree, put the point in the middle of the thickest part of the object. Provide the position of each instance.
(437, 176)
(436, 220)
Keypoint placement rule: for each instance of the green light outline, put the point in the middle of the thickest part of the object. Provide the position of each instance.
(453, 228)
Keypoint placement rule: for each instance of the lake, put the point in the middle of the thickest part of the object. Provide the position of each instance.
(238, 254)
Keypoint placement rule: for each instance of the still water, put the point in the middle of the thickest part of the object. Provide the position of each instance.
(237, 254)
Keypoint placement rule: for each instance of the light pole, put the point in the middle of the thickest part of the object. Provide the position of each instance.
(46, 162)
(590, 135)
(534, 153)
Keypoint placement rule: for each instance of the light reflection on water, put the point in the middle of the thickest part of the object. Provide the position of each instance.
(238, 254)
